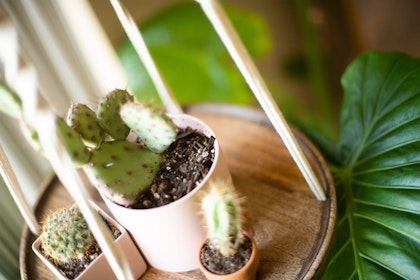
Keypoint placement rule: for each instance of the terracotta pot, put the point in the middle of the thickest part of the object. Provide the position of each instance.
(100, 268)
(170, 236)
(247, 272)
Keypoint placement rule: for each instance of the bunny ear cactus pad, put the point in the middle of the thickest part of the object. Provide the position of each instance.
(155, 129)
(83, 120)
(108, 113)
(66, 236)
(122, 170)
(74, 145)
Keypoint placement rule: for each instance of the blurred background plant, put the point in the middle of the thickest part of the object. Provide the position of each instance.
(301, 47)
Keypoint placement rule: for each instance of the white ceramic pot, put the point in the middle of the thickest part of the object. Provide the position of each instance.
(170, 236)
(100, 268)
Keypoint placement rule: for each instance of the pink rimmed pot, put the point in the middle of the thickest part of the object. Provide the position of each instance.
(170, 236)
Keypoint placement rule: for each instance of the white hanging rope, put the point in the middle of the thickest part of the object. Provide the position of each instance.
(234, 45)
(139, 45)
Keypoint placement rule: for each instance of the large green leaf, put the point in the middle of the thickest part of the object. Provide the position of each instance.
(378, 178)
(191, 56)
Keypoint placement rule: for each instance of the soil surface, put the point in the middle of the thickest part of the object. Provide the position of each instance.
(72, 269)
(219, 264)
(186, 162)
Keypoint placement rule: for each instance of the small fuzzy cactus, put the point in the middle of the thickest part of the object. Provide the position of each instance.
(222, 212)
(65, 236)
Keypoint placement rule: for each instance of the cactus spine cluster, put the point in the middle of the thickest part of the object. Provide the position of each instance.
(65, 236)
(120, 169)
(221, 208)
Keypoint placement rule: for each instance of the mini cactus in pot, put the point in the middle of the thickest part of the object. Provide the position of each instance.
(67, 246)
(228, 252)
(66, 236)
(142, 160)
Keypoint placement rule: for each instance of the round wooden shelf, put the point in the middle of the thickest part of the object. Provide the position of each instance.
(292, 229)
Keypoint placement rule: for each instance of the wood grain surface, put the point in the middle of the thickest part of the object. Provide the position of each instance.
(292, 229)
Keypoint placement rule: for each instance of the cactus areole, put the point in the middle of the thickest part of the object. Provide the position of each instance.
(134, 154)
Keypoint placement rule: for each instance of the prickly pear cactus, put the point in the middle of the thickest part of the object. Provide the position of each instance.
(108, 113)
(83, 120)
(155, 129)
(73, 144)
(65, 235)
(222, 213)
(122, 170)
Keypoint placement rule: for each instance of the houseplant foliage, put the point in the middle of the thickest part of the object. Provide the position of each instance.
(186, 47)
(376, 170)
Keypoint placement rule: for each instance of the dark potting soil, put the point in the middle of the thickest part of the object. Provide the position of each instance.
(219, 264)
(186, 163)
(72, 269)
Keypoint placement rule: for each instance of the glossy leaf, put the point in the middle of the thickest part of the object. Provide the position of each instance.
(378, 175)
(191, 57)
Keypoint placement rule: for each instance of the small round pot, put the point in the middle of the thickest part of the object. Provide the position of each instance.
(247, 272)
(170, 236)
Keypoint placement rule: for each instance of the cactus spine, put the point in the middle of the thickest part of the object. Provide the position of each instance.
(222, 212)
(65, 235)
